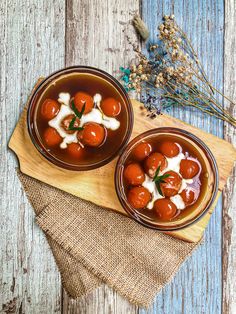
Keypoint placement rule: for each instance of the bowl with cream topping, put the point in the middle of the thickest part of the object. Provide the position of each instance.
(166, 179)
(80, 118)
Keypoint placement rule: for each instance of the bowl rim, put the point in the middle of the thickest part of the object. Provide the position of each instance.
(209, 155)
(116, 84)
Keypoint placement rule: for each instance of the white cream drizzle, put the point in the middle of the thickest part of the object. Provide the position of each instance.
(56, 124)
(174, 163)
(64, 98)
(178, 201)
(97, 98)
(95, 115)
(185, 183)
(151, 187)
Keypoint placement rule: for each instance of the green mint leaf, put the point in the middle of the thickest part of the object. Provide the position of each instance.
(72, 127)
(165, 176)
(72, 122)
(159, 188)
(162, 181)
(82, 111)
(76, 111)
(76, 129)
(156, 174)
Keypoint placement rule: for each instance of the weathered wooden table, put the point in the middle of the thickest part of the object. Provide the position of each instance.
(40, 36)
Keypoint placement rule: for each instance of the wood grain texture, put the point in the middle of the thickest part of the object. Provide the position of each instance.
(229, 204)
(197, 286)
(32, 44)
(104, 300)
(90, 185)
(96, 35)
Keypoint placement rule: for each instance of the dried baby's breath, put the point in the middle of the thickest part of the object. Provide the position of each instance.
(172, 74)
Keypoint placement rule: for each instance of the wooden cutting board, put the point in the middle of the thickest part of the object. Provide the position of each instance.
(97, 185)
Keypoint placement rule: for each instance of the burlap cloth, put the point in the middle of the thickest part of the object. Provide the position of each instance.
(92, 245)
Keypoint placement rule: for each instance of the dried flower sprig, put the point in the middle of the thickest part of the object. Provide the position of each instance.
(172, 74)
(141, 27)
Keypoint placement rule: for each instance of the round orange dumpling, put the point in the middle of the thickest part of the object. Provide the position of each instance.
(52, 137)
(93, 134)
(111, 107)
(134, 174)
(81, 99)
(65, 123)
(142, 150)
(172, 183)
(165, 209)
(154, 161)
(49, 109)
(75, 150)
(139, 197)
(169, 149)
(189, 196)
(189, 168)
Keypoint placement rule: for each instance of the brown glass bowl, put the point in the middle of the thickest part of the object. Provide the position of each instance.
(91, 76)
(206, 198)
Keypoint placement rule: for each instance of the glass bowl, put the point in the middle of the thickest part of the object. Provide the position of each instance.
(206, 197)
(85, 78)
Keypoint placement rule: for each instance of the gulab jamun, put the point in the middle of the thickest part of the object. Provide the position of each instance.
(188, 196)
(154, 161)
(82, 98)
(111, 107)
(75, 150)
(165, 209)
(139, 197)
(169, 149)
(188, 168)
(65, 123)
(52, 137)
(93, 134)
(49, 109)
(142, 150)
(172, 184)
(134, 174)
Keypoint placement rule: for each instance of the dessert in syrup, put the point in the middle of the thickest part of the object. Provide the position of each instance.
(165, 178)
(81, 119)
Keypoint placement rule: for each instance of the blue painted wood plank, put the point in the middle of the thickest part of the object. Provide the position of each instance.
(197, 288)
